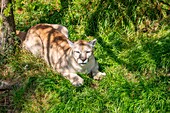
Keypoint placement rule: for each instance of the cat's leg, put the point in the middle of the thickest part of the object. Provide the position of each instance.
(97, 75)
(33, 44)
(74, 79)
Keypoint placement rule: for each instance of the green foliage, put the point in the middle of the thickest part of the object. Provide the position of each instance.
(133, 49)
(7, 10)
(1, 21)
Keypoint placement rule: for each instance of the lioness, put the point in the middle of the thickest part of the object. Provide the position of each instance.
(67, 58)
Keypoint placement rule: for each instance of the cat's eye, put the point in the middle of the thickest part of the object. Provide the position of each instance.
(77, 51)
(88, 51)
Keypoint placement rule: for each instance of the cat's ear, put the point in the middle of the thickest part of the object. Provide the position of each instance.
(71, 44)
(93, 42)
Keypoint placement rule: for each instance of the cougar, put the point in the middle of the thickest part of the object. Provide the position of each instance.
(50, 42)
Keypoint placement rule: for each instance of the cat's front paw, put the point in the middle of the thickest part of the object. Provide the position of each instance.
(77, 81)
(99, 76)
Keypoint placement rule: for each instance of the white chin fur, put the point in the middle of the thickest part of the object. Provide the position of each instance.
(82, 65)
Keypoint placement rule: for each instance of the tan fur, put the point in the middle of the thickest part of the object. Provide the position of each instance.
(21, 35)
(64, 56)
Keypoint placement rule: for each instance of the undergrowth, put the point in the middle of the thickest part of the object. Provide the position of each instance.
(133, 49)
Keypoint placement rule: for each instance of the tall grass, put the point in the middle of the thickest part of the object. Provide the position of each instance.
(133, 49)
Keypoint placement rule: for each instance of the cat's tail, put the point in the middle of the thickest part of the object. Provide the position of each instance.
(21, 35)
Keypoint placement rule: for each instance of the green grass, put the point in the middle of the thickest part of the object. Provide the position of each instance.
(134, 55)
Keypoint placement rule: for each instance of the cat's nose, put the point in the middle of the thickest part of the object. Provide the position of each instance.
(83, 59)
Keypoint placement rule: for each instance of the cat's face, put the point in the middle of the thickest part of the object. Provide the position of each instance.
(82, 51)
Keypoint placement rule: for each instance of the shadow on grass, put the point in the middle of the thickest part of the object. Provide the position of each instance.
(148, 56)
(57, 16)
(159, 51)
(151, 55)
(121, 13)
(139, 59)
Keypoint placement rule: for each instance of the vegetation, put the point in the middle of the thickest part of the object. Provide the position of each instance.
(133, 49)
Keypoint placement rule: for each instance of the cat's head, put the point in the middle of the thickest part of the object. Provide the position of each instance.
(82, 50)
